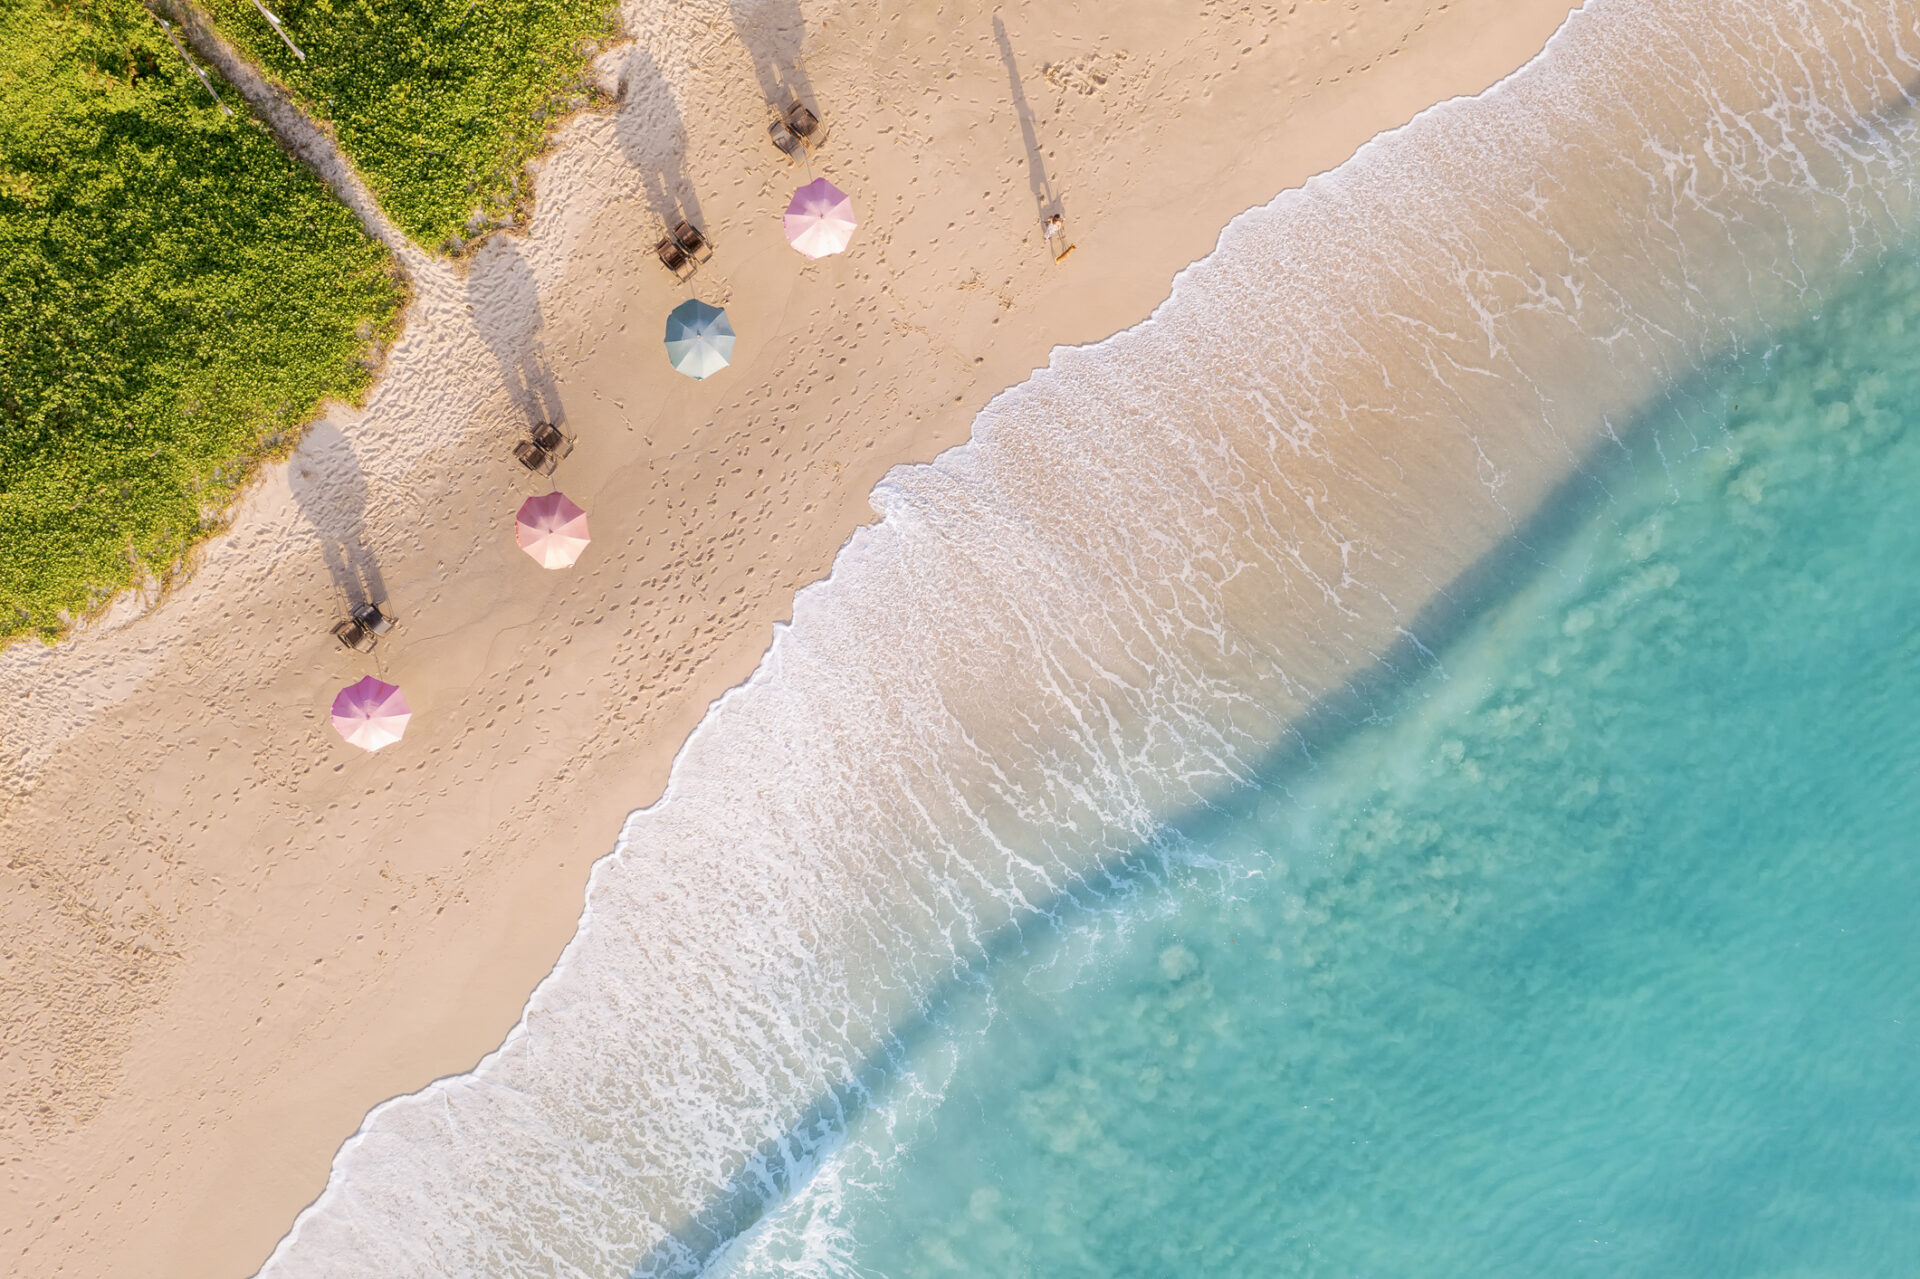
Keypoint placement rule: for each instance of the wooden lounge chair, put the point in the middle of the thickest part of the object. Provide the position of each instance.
(789, 142)
(354, 636)
(535, 458)
(797, 132)
(695, 245)
(674, 258)
(548, 437)
(806, 126)
(372, 618)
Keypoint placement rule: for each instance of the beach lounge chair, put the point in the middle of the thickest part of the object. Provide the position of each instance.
(797, 132)
(807, 127)
(364, 625)
(354, 636)
(373, 618)
(535, 458)
(674, 258)
(695, 245)
(548, 437)
(789, 142)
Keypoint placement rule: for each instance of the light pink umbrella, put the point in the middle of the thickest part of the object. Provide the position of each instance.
(552, 530)
(370, 714)
(820, 219)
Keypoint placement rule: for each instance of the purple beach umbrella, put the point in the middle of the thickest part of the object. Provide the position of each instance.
(820, 219)
(370, 714)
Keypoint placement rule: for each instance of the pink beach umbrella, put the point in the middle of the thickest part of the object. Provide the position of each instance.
(370, 714)
(552, 530)
(820, 219)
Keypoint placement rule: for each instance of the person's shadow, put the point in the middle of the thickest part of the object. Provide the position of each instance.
(506, 309)
(654, 139)
(772, 31)
(331, 491)
(1045, 199)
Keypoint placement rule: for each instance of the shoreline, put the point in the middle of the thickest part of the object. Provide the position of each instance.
(246, 1146)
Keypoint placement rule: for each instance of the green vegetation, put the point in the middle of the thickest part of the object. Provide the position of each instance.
(177, 296)
(438, 103)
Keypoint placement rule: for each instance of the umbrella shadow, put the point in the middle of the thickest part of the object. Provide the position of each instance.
(506, 309)
(653, 138)
(773, 31)
(331, 491)
(1045, 199)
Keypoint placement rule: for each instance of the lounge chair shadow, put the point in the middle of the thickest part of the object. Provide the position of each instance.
(506, 308)
(653, 138)
(331, 491)
(772, 32)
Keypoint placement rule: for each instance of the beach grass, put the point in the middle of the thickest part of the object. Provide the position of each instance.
(177, 296)
(438, 103)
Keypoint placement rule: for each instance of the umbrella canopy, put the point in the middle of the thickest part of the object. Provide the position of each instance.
(552, 530)
(370, 714)
(820, 219)
(699, 339)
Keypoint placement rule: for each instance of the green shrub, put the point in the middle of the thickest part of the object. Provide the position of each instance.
(438, 103)
(177, 296)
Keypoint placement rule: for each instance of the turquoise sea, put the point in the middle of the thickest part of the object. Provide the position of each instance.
(1596, 955)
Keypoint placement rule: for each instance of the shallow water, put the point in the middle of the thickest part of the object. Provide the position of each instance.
(1172, 566)
(1597, 959)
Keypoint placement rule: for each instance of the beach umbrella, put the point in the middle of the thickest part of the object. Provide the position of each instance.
(370, 714)
(552, 530)
(820, 219)
(699, 339)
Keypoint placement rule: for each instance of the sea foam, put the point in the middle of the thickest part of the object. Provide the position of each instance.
(1152, 563)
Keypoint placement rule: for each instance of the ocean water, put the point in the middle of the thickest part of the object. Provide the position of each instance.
(1154, 702)
(1595, 956)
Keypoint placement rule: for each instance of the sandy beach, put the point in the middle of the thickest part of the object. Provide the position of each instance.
(228, 935)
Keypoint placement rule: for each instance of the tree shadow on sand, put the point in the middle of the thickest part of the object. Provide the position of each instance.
(773, 31)
(506, 308)
(653, 138)
(331, 491)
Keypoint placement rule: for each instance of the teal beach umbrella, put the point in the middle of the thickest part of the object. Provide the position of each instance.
(699, 339)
